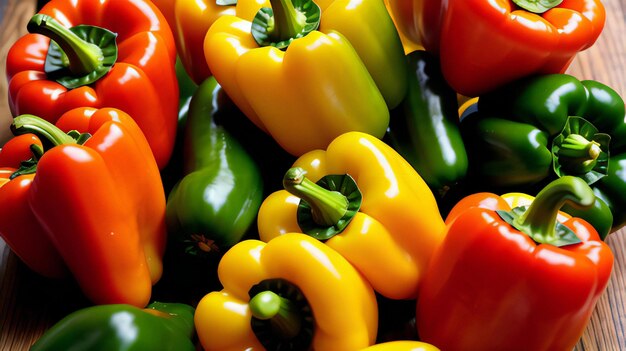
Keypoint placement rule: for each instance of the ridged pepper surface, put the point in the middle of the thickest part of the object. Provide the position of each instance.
(365, 201)
(485, 44)
(113, 53)
(307, 72)
(534, 130)
(78, 203)
(514, 279)
(292, 293)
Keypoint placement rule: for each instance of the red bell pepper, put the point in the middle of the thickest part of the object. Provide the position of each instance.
(92, 204)
(127, 63)
(485, 44)
(16, 215)
(501, 280)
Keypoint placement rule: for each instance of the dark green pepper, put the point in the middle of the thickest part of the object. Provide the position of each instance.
(535, 130)
(218, 198)
(186, 87)
(160, 326)
(424, 129)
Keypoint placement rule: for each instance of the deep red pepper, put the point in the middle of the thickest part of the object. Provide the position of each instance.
(491, 286)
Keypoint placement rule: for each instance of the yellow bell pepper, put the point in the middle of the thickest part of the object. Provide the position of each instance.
(292, 291)
(402, 345)
(191, 19)
(382, 217)
(308, 72)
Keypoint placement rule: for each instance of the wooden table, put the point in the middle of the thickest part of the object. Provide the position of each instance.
(29, 304)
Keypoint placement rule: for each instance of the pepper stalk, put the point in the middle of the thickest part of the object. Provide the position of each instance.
(48, 133)
(326, 207)
(581, 150)
(77, 56)
(539, 220)
(282, 318)
(537, 6)
(284, 22)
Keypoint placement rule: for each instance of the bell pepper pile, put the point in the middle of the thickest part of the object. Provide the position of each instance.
(301, 175)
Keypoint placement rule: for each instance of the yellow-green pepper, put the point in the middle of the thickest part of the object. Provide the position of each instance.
(307, 72)
(293, 293)
(368, 204)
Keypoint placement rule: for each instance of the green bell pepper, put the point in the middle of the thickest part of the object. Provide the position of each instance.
(424, 129)
(269, 156)
(218, 198)
(160, 326)
(535, 130)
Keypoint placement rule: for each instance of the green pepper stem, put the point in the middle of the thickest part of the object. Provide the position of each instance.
(83, 57)
(282, 313)
(32, 124)
(540, 217)
(537, 6)
(327, 207)
(578, 154)
(288, 22)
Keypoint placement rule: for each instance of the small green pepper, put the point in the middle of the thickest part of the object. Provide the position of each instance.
(218, 198)
(424, 129)
(160, 326)
(524, 135)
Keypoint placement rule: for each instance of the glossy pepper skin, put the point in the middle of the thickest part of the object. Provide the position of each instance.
(424, 129)
(339, 312)
(391, 237)
(191, 19)
(17, 215)
(410, 43)
(341, 77)
(523, 294)
(511, 137)
(88, 207)
(476, 39)
(141, 81)
(413, 16)
(401, 345)
(160, 326)
(218, 198)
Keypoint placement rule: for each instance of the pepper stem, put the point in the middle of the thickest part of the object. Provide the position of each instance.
(26, 123)
(287, 21)
(539, 220)
(577, 154)
(282, 313)
(284, 22)
(537, 6)
(83, 57)
(327, 207)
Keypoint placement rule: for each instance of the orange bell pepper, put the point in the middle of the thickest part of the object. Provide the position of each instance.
(485, 44)
(92, 203)
(118, 54)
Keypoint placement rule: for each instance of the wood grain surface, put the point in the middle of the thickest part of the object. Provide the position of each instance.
(30, 304)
